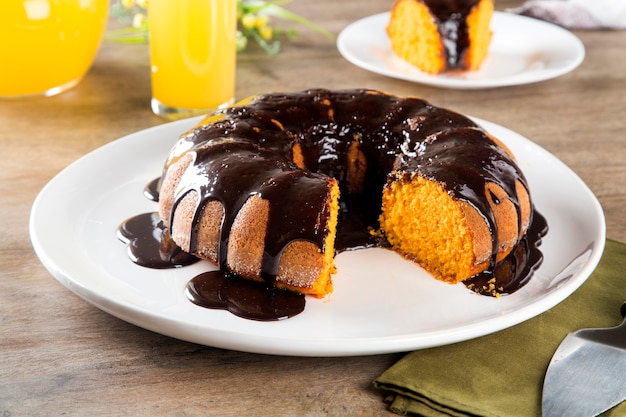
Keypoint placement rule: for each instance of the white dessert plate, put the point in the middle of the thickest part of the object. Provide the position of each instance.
(523, 50)
(381, 303)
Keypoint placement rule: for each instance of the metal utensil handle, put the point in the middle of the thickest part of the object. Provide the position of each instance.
(612, 336)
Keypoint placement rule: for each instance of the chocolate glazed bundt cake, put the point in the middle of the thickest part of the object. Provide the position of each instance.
(271, 188)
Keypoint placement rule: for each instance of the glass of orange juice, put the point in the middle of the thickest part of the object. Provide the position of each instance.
(47, 46)
(192, 55)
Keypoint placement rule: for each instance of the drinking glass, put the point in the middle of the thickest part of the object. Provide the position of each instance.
(192, 56)
(47, 46)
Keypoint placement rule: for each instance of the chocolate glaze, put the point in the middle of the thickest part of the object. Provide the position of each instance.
(248, 150)
(514, 271)
(322, 124)
(242, 297)
(153, 248)
(149, 243)
(451, 17)
(398, 137)
(151, 190)
(238, 170)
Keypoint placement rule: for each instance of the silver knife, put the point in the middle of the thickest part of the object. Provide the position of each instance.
(587, 374)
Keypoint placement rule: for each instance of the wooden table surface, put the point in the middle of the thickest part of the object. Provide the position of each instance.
(62, 356)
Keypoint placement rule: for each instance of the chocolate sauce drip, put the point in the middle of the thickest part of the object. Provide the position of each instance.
(451, 17)
(151, 190)
(514, 271)
(356, 217)
(244, 298)
(149, 243)
(153, 248)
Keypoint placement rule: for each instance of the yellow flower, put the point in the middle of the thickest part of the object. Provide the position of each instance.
(261, 21)
(266, 32)
(142, 3)
(248, 21)
(128, 4)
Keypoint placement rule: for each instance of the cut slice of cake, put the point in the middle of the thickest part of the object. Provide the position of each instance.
(437, 36)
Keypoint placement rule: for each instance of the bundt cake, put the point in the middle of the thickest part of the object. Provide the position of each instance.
(256, 187)
(441, 35)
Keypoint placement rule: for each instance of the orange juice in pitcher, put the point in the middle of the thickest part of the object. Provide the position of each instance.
(47, 46)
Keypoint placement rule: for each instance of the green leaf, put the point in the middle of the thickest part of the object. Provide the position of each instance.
(127, 35)
(282, 13)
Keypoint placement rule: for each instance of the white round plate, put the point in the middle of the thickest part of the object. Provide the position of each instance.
(381, 303)
(523, 50)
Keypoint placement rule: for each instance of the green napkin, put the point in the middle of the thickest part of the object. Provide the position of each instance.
(502, 374)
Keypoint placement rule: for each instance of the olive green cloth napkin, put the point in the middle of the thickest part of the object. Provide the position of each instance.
(501, 374)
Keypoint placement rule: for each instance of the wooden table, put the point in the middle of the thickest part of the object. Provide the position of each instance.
(62, 356)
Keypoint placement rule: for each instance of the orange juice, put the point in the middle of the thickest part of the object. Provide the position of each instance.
(47, 46)
(193, 53)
